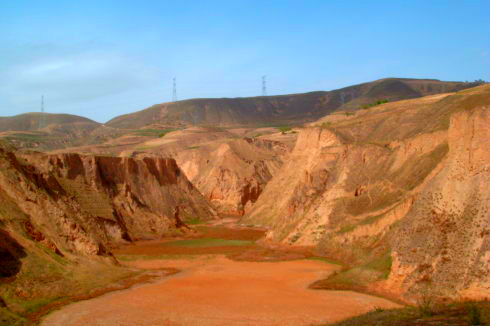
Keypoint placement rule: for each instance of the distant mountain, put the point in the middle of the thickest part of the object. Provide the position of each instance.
(43, 131)
(282, 109)
(37, 120)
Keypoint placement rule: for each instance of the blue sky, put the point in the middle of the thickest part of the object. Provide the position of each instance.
(101, 58)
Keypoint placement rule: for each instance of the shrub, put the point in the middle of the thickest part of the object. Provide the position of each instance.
(474, 314)
(283, 129)
(425, 305)
(370, 105)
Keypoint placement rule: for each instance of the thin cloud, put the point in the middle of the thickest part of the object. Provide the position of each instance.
(71, 76)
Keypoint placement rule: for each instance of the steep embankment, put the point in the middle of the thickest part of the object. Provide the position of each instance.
(405, 181)
(229, 171)
(61, 214)
(283, 109)
(233, 174)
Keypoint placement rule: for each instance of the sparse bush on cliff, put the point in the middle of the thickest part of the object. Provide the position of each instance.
(370, 105)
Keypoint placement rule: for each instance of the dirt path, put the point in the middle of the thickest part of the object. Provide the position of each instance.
(214, 290)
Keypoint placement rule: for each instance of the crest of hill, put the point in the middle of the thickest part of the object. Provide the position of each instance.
(37, 120)
(282, 109)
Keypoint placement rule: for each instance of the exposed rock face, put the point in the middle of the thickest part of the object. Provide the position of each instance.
(407, 179)
(229, 171)
(443, 243)
(78, 204)
(233, 174)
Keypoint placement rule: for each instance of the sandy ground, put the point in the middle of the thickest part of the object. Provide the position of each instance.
(213, 290)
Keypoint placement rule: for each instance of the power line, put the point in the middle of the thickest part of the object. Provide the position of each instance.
(42, 103)
(264, 88)
(174, 93)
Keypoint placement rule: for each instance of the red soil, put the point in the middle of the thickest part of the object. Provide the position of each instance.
(218, 291)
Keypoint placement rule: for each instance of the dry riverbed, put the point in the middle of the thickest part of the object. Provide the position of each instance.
(212, 289)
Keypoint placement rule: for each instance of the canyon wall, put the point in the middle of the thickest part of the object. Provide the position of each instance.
(233, 174)
(442, 245)
(230, 171)
(402, 187)
(85, 204)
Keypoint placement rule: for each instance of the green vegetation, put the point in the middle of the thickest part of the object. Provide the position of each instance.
(44, 283)
(370, 105)
(283, 129)
(192, 220)
(346, 228)
(208, 242)
(8, 318)
(453, 314)
(152, 132)
(349, 113)
(144, 147)
(381, 264)
(30, 137)
(134, 257)
(324, 259)
(356, 278)
(474, 314)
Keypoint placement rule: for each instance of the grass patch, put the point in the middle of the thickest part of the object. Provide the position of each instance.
(7, 318)
(128, 258)
(284, 129)
(207, 242)
(356, 278)
(382, 264)
(192, 220)
(152, 132)
(452, 314)
(370, 105)
(346, 229)
(144, 148)
(28, 137)
(325, 260)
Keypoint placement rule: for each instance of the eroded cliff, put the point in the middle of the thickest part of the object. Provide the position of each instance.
(60, 216)
(401, 189)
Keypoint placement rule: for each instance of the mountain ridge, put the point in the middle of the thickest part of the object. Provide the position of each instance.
(281, 109)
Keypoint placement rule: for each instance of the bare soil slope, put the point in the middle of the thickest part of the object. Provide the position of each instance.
(60, 215)
(229, 167)
(229, 171)
(400, 190)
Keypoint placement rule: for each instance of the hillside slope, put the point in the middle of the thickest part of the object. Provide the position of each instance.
(45, 131)
(36, 120)
(60, 216)
(401, 189)
(230, 171)
(283, 109)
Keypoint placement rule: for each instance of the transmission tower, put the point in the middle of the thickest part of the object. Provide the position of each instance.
(41, 118)
(174, 93)
(264, 88)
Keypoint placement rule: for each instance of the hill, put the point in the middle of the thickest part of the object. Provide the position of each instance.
(47, 131)
(283, 109)
(37, 120)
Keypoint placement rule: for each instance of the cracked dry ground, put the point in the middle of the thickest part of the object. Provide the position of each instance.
(225, 279)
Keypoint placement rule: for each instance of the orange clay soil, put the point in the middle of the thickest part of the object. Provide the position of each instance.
(214, 290)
